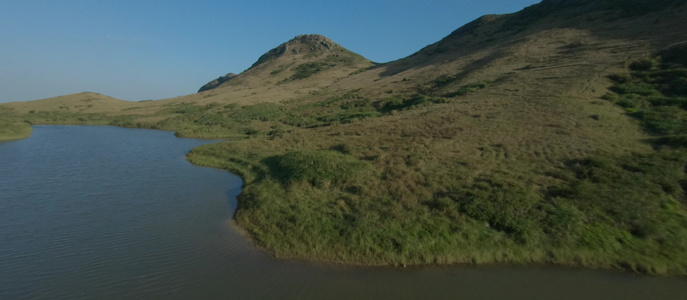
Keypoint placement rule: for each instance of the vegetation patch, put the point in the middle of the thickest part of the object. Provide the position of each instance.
(260, 111)
(655, 93)
(466, 89)
(340, 57)
(316, 167)
(281, 68)
(306, 70)
(13, 130)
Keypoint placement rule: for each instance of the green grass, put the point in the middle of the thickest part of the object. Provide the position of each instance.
(66, 118)
(339, 57)
(625, 212)
(310, 192)
(655, 93)
(466, 89)
(307, 69)
(13, 130)
(315, 167)
(366, 201)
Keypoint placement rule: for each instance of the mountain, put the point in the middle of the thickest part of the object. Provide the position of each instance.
(302, 57)
(552, 135)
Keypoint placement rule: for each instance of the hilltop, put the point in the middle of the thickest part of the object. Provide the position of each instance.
(551, 135)
(305, 63)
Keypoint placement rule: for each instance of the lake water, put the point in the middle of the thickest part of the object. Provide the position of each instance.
(90, 212)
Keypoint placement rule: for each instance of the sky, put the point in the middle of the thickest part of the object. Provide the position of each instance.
(154, 49)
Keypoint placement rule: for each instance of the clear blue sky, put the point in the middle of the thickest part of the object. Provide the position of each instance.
(154, 49)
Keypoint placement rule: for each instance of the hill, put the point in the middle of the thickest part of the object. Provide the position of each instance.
(551, 135)
(86, 102)
(304, 64)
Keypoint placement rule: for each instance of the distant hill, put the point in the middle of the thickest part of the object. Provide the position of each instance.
(86, 102)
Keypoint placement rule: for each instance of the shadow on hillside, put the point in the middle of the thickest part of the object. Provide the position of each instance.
(606, 19)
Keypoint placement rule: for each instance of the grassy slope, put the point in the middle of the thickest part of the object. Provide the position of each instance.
(403, 189)
(492, 145)
(514, 158)
(10, 130)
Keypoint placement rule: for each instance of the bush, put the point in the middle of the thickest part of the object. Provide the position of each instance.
(656, 94)
(635, 87)
(643, 65)
(664, 120)
(466, 89)
(399, 103)
(315, 167)
(676, 54)
(260, 111)
(506, 208)
(306, 70)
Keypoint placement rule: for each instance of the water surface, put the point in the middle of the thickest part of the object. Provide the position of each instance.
(91, 212)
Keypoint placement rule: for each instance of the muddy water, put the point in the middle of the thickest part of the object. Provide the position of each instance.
(92, 212)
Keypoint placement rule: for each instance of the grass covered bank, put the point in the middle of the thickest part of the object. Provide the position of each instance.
(11, 130)
(626, 212)
(358, 192)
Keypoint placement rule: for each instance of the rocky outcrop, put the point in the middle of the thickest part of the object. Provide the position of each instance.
(217, 82)
(313, 43)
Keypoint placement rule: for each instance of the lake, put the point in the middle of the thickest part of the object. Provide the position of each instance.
(97, 212)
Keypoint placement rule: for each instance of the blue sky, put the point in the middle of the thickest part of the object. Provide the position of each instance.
(150, 49)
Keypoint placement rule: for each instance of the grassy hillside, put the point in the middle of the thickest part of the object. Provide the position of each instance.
(373, 191)
(553, 135)
(481, 148)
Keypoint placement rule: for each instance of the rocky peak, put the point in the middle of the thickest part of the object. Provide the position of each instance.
(311, 42)
(306, 43)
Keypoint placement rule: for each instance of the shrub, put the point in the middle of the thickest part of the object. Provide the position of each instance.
(642, 65)
(260, 111)
(399, 103)
(466, 89)
(619, 78)
(504, 207)
(315, 167)
(664, 120)
(676, 54)
(306, 70)
(635, 87)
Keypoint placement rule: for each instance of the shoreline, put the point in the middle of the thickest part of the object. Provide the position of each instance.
(494, 256)
(520, 256)
(14, 131)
